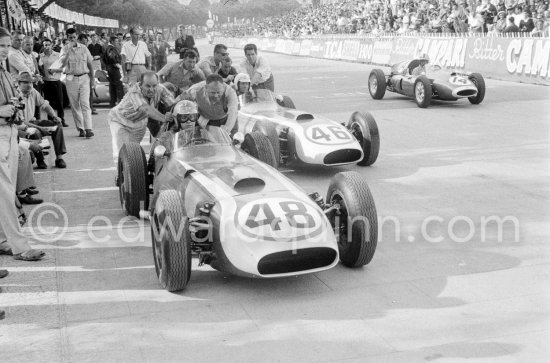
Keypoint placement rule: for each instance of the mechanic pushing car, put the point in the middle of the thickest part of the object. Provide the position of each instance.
(217, 102)
(128, 120)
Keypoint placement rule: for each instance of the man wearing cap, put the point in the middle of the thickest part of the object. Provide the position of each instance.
(128, 120)
(182, 72)
(257, 68)
(77, 60)
(32, 99)
(135, 56)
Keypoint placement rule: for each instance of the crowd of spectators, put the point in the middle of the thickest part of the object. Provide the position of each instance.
(531, 17)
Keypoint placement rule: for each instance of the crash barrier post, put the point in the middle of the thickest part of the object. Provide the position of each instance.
(510, 57)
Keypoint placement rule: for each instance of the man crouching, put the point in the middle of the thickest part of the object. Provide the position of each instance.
(128, 120)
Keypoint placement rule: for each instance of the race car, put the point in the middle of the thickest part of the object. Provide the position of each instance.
(312, 139)
(418, 79)
(208, 198)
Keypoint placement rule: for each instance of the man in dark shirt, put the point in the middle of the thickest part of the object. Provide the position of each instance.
(512, 27)
(96, 50)
(113, 63)
(184, 42)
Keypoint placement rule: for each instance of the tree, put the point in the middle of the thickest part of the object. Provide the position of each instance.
(253, 9)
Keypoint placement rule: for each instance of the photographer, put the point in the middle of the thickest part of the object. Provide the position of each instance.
(12, 239)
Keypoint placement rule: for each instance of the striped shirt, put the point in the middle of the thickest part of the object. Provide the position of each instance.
(128, 112)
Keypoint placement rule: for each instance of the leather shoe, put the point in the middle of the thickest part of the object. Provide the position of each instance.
(63, 123)
(27, 199)
(60, 163)
(3, 273)
(30, 191)
(2, 314)
(81, 133)
(94, 112)
(4, 250)
(40, 164)
(89, 133)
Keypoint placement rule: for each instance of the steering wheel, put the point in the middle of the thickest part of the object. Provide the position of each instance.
(197, 141)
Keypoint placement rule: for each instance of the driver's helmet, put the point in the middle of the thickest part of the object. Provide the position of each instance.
(241, 77)
(186, 111)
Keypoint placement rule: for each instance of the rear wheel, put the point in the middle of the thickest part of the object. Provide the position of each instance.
(356, 227)
(422, 91)
(377, 84)
(171, 242)
(258, 146)
(132, 179)
(363, 126)
(269, 130)
(479, 82)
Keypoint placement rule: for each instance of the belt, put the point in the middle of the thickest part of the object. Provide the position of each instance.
(80, 75)
(138, 64)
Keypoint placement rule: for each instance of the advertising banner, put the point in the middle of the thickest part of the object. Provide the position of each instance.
(514, 59)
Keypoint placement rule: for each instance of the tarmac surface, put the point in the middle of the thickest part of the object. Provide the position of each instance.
(447, 283)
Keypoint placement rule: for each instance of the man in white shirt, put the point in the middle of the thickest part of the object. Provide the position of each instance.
(257, 69)
(135, 57)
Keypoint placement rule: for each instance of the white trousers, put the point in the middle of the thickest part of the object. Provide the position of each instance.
(10, 230)
(78, 90)
(123, 134)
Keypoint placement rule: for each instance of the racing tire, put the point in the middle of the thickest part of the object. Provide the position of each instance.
(422, 92)
(377, 84)
(363, 126)
(132, 179)
(358, 212)
(172, 255)
(258, 146)
(287, 102)
(270, 132)
(479, 82)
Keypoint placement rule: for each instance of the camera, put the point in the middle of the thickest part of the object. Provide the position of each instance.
(17, 102)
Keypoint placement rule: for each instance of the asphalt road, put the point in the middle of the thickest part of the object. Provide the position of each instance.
(447, 283)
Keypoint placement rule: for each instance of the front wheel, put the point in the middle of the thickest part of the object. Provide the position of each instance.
(422, 91)
(363, 126)
(479, 82)
(258, 146)
(171, 242)
(377, 84)
(356, 225)
(132, 179)
(270, 131)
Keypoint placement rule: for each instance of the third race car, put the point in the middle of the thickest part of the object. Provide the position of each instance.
(423, 82)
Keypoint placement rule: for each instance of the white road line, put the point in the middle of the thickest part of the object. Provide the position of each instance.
(88, 297)
(73, 269)
(86, 190)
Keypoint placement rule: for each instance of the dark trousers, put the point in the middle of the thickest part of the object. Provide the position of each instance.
(116, 90)
(92, 98)
(57, 136)
(53, 93)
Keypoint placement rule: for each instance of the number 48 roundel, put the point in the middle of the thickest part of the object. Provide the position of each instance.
(278, 219)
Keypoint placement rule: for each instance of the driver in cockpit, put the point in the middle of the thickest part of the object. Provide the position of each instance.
(185, 116)
(242, 87)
